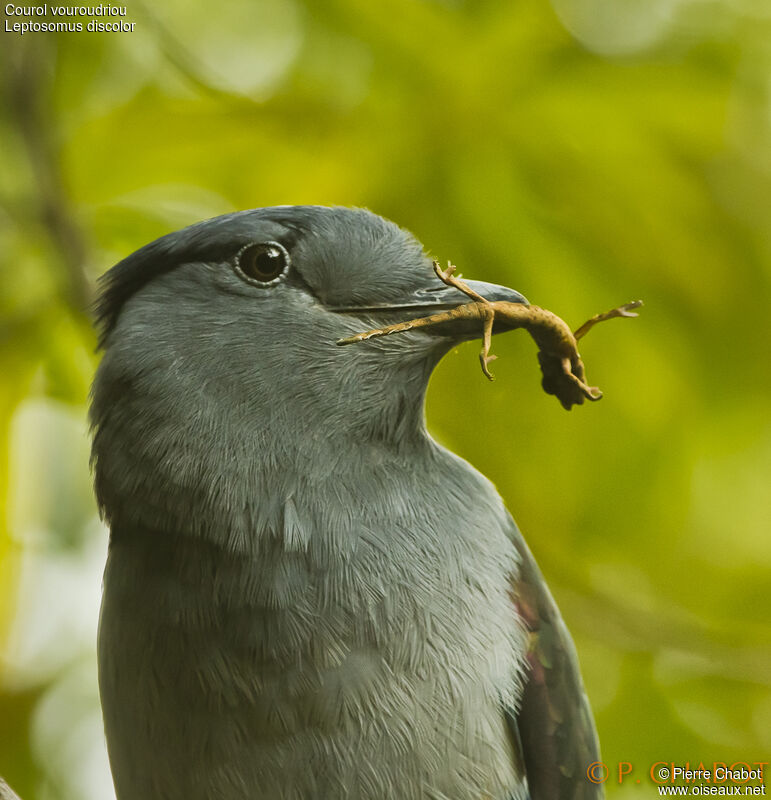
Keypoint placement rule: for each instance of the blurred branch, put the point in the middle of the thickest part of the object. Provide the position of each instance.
(26, 88)
(6, 793)
(184, 61)
(610, 620)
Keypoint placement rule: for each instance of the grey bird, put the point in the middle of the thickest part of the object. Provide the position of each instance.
(305, 595)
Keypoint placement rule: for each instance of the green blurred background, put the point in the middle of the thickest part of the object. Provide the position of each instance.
(585, 152)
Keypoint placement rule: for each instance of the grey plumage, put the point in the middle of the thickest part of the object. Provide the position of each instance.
(305, 595)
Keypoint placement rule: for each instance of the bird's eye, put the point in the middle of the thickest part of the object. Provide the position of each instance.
(262, 263)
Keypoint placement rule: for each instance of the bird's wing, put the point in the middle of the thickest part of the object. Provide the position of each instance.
(554, 723)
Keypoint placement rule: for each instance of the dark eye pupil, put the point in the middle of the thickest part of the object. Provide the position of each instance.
(263, 262)
(268, 263)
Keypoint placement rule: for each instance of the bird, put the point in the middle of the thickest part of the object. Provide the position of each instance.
(305, 595)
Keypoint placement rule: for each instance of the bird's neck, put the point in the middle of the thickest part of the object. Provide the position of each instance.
(231, 472)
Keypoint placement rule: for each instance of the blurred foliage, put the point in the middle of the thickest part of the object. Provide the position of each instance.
(585, 152)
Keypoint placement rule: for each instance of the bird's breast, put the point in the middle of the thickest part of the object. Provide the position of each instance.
(392, 646)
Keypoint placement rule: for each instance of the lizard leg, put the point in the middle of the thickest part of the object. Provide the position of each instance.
(621, 311)
(488, 315)
(446, 276)
(486, 311)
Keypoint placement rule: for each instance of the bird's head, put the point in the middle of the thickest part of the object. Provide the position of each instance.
(225, 332)
(245, 309)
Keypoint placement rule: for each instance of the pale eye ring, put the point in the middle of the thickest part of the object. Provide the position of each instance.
(262, 264)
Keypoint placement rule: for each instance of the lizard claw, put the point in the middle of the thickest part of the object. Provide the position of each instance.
(484, 360)
(444, 274)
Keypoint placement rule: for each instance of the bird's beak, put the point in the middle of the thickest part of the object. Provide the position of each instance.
(427, 301)
(431, 300)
